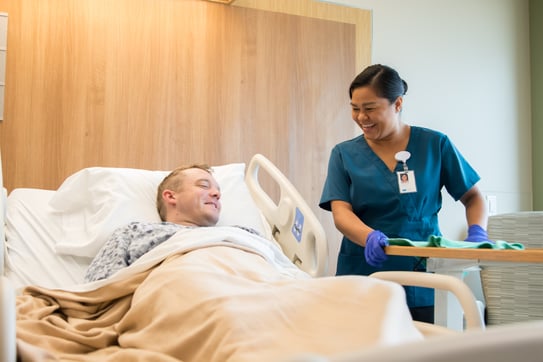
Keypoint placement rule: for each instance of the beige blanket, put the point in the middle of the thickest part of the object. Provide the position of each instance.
(228, 297)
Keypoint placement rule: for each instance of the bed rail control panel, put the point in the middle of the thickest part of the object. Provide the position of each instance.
(294, 225)
(298, 225)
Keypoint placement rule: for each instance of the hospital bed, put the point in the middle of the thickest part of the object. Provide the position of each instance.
(51, 237)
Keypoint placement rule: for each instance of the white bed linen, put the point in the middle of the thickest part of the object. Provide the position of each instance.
(31, 234)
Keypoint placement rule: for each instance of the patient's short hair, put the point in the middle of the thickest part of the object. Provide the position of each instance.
(173, 182)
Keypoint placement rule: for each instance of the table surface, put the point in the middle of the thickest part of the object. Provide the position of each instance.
(502, 255)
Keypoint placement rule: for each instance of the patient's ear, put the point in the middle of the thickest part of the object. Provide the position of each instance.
(169, 197)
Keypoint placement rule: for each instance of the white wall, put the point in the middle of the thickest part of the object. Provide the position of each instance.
(467, 66)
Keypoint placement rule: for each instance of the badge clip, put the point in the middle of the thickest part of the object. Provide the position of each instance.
(402, 157)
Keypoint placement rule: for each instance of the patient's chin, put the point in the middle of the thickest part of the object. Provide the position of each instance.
(211, 220)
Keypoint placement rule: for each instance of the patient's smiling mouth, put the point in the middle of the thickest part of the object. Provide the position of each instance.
(212, 204)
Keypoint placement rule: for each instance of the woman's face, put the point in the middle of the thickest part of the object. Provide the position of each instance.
(376, 116)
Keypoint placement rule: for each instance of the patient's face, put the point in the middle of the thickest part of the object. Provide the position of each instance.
(198, 199)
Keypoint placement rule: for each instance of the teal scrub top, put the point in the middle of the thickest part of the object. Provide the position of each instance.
(358, 176)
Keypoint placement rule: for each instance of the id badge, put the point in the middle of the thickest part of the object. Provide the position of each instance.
(406, 181)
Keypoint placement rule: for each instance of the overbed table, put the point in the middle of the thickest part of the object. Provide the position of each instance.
(459, 263)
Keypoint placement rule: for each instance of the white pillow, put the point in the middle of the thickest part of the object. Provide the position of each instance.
(31, 234)
(95, 201)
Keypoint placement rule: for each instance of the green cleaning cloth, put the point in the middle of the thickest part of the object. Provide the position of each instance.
(441, 242)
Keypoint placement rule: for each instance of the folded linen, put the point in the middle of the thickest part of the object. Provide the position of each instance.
(441, 242)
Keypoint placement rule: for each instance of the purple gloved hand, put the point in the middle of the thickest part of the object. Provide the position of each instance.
(476, 234)
(374, 250)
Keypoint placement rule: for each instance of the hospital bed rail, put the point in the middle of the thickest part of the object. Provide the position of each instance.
(291, 218)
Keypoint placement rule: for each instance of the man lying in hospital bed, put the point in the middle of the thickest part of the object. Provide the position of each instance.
(200, 291)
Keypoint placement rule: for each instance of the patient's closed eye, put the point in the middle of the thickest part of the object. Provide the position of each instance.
(204, 185)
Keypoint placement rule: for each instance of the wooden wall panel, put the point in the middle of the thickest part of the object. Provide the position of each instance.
(319, 9)
(155, 84)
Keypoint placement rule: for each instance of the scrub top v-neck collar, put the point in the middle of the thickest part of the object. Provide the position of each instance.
(389, 175)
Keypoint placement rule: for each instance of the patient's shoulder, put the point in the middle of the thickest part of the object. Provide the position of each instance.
(145, 227)
(250, 230)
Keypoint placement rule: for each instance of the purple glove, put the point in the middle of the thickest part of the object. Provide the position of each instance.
(374, 250)
(476, 234)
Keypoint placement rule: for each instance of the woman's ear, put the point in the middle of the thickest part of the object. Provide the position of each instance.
(398, 104)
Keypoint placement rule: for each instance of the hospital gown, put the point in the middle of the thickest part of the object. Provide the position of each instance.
(128, 243)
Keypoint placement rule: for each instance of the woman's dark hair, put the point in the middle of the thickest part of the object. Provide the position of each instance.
(384, 80)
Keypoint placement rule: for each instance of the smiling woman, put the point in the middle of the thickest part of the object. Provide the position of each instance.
(386, 183)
